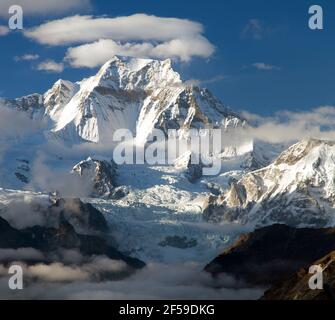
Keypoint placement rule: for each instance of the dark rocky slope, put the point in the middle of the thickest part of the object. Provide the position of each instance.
(269, 255)
(297, 286)
(72, 212)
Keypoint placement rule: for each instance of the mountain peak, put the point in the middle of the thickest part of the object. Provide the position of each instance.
(132, 64)
(303, 149)
(137, 74)
(127, 93)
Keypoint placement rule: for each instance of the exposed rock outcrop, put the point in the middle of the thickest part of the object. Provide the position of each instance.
(101, 174)
(64, 236)
(297, 189)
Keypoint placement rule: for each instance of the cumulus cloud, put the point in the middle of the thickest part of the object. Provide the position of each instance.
(50, 179)
(16, 206)
(264, 67)
(37, 7)
(138, 35)
(3, 31)
(81, 29)
(51, 66)
(289, 126)
(14, 123)
(27, 57)
(97, 53)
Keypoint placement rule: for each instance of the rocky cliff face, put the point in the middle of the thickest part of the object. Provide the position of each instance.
(296, 189)
(73, 225)
(134, 94)
(101, 174)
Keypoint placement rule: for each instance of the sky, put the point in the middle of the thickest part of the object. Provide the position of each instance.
(258, 55)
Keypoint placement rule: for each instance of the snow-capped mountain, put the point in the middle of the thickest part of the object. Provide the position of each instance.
(250, 155)
(165, 202)
(32, 104)
(296, 189)
(58, 97)
(134, 94)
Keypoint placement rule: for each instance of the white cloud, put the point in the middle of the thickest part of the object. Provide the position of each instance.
(44, 177)
(16, 206)
(37, 7)
(82, 29)
(264, 67)
(138, 35)
(27, 57)
(15, 124)
(97, 53)
(198, 82)
(51, 66)
(288, 126)
(3, 31)
(57, 272)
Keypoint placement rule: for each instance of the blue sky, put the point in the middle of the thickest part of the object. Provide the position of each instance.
(275, 34)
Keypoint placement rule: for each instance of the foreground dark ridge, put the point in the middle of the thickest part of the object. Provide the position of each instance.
(269, 255)
(297, 286)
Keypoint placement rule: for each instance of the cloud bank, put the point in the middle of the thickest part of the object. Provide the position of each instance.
(155, 281)
(288, 126)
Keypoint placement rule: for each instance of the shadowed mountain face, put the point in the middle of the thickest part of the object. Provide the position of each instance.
(271, 254)
(63, 236)
(297, 286)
